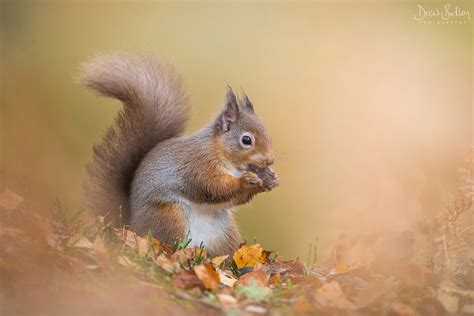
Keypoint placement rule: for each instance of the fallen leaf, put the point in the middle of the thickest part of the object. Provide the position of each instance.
(217, 261)
(226, 278)
(186, 279)
(163, 262)
(249, 256)
(291, 267)
(275, 279)
(208, 276)
(258, 276)
(147, 246)
(130, 239)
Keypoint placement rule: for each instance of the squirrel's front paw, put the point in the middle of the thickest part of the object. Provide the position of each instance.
(251, 181)
(268, 176)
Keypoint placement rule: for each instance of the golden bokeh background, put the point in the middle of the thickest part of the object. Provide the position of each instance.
(369, 110)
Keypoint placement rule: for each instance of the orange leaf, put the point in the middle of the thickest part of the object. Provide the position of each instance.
(259, 276)
(275, 279)
(208, 276)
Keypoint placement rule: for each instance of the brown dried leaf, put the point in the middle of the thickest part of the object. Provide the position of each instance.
(163, 262)
(147, 245)
(291, 267)
(208, 276)
(260, 277)
(186, 279)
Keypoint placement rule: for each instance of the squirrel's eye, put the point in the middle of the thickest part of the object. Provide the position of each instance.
(246, 140)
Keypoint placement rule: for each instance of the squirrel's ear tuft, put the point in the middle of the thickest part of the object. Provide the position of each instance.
(230, 113)
(246, 104)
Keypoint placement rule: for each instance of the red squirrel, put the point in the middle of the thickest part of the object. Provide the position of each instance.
(161, 182)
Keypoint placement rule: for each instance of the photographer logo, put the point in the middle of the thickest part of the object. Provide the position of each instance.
(444, 14)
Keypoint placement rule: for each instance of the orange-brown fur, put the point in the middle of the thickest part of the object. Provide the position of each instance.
(169, 219)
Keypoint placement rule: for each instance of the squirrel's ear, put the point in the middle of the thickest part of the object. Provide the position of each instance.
(246, 104)
(230, 113)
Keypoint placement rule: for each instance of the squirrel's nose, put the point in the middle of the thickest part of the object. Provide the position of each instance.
(270, 159)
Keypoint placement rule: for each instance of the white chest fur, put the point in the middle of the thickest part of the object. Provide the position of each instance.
(206, 223)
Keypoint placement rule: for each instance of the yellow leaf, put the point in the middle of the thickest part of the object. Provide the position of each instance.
(249, 256)
(218, 260)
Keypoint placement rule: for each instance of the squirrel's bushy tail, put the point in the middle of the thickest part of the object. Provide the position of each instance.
(154, 109)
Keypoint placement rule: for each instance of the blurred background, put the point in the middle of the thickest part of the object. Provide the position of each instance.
(370, 111)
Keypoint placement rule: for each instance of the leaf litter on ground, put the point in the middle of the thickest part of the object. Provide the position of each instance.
(92, 263)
